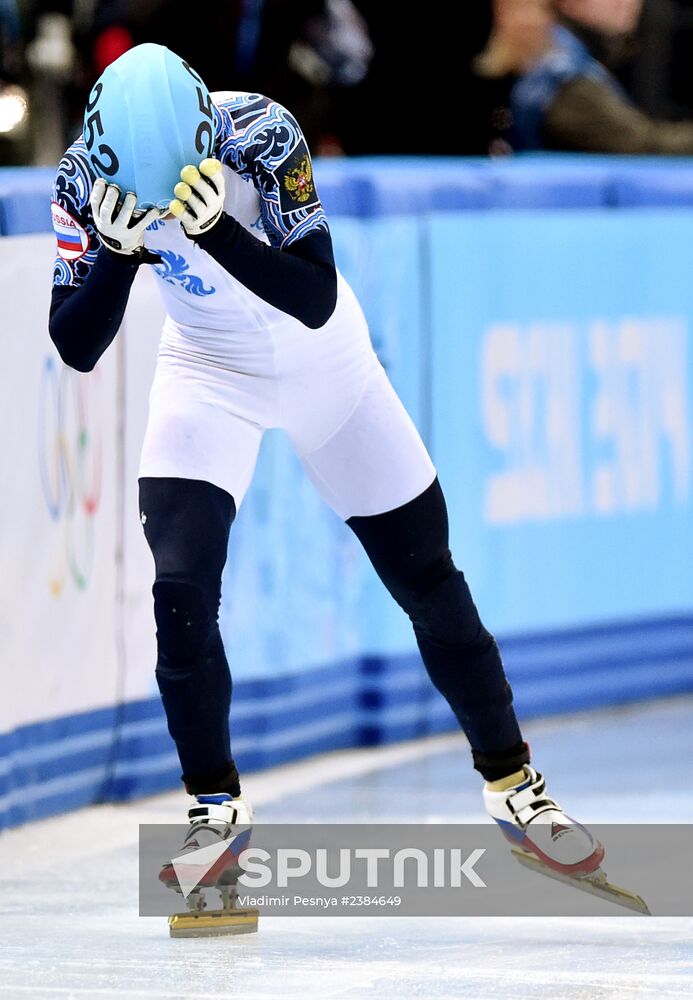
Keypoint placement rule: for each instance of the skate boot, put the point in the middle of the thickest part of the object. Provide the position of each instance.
(548, 841)
(220, 828)
(530, 819)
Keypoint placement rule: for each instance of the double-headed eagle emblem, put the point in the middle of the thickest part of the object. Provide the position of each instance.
(299, 181)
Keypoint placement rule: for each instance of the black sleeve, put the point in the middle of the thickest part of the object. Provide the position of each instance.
(85, 318)
(301, 280)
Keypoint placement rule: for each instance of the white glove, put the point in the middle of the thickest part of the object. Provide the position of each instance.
(199, 199)
(115, 223)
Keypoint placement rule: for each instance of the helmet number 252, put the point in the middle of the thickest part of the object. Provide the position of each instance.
(93, 127)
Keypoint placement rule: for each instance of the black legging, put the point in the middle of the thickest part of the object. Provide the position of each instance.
(187, 524)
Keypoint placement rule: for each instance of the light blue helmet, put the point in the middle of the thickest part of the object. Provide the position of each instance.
(148, 115)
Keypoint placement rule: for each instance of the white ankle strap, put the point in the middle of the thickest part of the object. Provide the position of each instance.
(212, 813)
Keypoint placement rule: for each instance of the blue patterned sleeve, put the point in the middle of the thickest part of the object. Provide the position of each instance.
(261, 141)
(77, 240)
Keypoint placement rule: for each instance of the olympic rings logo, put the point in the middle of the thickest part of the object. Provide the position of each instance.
(70, 465)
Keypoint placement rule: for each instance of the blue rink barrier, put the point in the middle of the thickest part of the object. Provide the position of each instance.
(535, 316)
(369, 187)
(25, 197)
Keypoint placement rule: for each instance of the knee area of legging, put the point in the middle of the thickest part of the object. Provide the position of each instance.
(447, 614)
(411, 588)
(184, 619)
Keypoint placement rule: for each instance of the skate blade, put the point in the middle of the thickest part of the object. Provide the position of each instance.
(596, 883)
(210, 923)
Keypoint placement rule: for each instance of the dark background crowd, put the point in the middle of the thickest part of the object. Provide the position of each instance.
(375, 76)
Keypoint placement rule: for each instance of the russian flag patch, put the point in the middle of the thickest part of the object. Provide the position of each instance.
(73, 239)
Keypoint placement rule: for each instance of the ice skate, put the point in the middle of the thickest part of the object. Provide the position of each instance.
(220, 828)
(548, 841)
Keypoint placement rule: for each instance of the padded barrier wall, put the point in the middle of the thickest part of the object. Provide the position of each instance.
(505, 299)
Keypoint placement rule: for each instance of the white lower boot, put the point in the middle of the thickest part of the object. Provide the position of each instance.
(533, 821)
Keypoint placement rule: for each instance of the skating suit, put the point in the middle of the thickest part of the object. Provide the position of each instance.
(230, 365)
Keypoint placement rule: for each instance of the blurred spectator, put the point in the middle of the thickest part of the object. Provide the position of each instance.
(563, 98)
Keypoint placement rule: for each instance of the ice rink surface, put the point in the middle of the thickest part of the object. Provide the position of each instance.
(68, 915)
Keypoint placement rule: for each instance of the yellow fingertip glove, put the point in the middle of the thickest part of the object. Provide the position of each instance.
(182, 191)
(176, 207)
(210, 166)
(190, 175)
